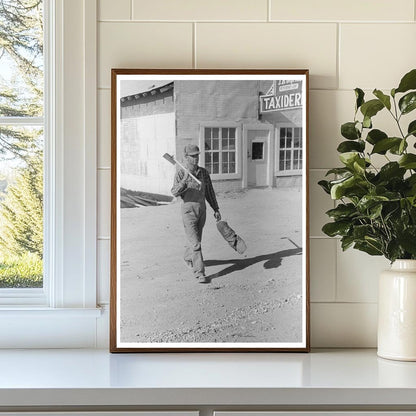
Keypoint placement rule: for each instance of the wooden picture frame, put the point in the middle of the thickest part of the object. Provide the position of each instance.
(248, 289)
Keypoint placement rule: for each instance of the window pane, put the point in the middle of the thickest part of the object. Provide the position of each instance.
(282, 160)
(257, 150)
(207, 144)
(215, 144)
(216, 168)
(215, 133)
(21, 208)
(207, 133)
(224, 144)
(232, 168)
(216, 157)
(232, 133)
(231, 144)
(21, 59)
(208, 167)
(224, 133)
(21, 148)
(208, 157)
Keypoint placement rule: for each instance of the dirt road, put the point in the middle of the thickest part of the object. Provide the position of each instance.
(252, 298)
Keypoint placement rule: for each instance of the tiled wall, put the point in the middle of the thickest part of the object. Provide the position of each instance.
(345, 44)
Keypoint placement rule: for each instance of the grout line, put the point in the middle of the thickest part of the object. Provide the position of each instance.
(338, 63)
(344, 303)
(269, 10)
(103, 238)
(336, 270)
(194, 63)
(104, 168)
(309, 22)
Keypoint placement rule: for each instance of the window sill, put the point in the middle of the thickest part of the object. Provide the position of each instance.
(323, 379)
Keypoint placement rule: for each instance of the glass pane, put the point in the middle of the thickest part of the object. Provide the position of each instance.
(287, 165)
(224, 167)
(224, 133)
(231, 144)
(282, 160)
(257, 150)
(215, 144)
(216, 157)
(21, 59)
(232, 168)
(208, 167)
(21, 208)
(288, 142)
(232, 157)
(282, 132)
(207, 133)
(225, 157)
(295, 164)
(207, 144)
(232, 133)
(282, 142)
(215, 132)
(207, 157)
(295, 154)
(296, 142)
(224, 144)
(216, 168)
(289, 133)
(297, 132)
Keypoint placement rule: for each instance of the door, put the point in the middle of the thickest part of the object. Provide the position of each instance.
(257, 157)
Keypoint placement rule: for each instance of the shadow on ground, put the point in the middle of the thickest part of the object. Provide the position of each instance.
(272, 261)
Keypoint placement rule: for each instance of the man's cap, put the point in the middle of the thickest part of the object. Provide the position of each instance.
(191, 149)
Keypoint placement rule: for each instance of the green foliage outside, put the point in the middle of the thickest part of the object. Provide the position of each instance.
(21, 148)
(376, 210)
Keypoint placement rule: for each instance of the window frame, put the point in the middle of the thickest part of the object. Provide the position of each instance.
(289, 172)
(68, 318)
(238, 147)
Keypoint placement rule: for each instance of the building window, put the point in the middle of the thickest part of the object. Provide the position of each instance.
(290, 149)
(22, 125)
(220, 150)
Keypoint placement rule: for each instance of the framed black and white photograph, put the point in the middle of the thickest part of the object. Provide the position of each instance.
(209, 211)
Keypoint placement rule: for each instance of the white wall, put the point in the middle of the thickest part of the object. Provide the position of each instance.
(345, 44)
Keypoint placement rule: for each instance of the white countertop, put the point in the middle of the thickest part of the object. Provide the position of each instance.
(96, 377)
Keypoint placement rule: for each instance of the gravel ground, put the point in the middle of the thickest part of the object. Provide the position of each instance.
(256, 297)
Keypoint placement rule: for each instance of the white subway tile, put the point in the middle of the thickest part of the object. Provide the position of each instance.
(376, 55)
(319, 203)
(357, 275)
(142, 45)
(200, 10)
(323, 269)
(114, 10)
(104, 129)
(273, 46)
(343, 325)
(341, 10)
(104, 202)
(103, 271)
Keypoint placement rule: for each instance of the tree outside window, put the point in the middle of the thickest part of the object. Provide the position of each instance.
(21, 143)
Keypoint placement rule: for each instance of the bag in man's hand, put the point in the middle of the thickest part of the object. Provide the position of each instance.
(231, 237)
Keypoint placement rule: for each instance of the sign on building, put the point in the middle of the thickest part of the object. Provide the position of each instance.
(282, 95)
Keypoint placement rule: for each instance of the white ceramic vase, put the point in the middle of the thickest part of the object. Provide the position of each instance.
(397, 312)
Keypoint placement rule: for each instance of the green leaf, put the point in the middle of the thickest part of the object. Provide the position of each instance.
(411, 130)
(348, 158)
(346, 242)
(385, 99)
(408, 103)
(333, 229)
(374, 136)
(375, 211)
(349, 146)
(361, 231)
(398, 149)
(383, 145)
(368, 248)
(407, 239)
(408, 161)
(325, 186)
(371, 108)
(338, 189)
(408, 82)
(349, 131)
(338, 171)
(359, 94)
(342, 211)
(391, 170)
(367, 122)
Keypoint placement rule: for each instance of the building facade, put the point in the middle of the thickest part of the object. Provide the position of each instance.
(249, 132)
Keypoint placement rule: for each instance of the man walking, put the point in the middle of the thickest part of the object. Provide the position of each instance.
(194, 207)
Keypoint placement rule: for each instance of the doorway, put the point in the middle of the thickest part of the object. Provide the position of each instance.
(258, 152)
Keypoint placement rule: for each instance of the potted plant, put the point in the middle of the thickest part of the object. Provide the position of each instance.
(376, 207)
